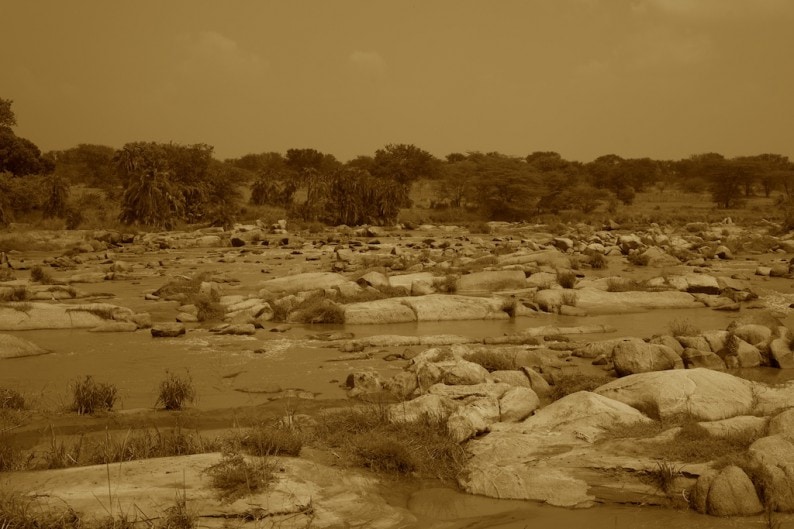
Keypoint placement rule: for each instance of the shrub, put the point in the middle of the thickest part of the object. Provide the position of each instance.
(175, 391)
(566, 278)
(9, 456)
(18, 512)
(319, 310)
(178, 516)
(664, 475)
(267, 441)
(6, 274)
(597, 261)
(11, 399)
(383, 454)
(41, 275)
(15, 293)
(639, 259)
(682, 327)
(89, 396)
(149, 443)
(208, 309)
(569, 298)
(234, 477)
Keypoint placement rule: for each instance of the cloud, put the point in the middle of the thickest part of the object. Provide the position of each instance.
(709, 9)
(368, 63)
(211, 53)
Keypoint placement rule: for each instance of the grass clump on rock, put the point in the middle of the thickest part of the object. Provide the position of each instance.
(41, 275)
(89, 396)
(235, 477)
(493, 360)
(367, 438)
(176, 391)
(566, 278)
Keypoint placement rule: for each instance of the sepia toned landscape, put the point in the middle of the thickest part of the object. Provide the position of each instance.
(212, 324)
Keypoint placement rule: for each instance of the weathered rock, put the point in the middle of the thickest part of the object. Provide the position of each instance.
(491, 281)
(604, 347)
(670, 342)
(536, 381)
(517, 404)
(302, 282)
(466, 422)
(237, 329)
(781, 354)
(14, 347)
(374, 279)
(753, 333)
(634, 357)
(596, 301)
(737, 428)
(115, 326)
(17, 316)
(512, 377)
(363, 382)
(378, 312)
(782, 423)
(732, 494)
(429, 405)
(693, 359)
(775, 450)
(697, 393)
(694, 342)
(440, 307)
(167, 330)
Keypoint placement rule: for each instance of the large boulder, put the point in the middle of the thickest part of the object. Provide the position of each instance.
(302, 282)
(440, 307)
(694, 358)
(731, 493)
(378, 312)
(13, 347)
(781, 354)
(635, 357)
(24, 316)
(517, 404)
(695, 393)
(491, 281)
(782, 423)
(596, 301)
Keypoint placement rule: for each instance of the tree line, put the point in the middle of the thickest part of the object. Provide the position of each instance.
(162, 184)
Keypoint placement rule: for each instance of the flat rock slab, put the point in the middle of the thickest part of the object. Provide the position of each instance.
(303, 282)
(13, 347)
(304, 493)
(22, 316)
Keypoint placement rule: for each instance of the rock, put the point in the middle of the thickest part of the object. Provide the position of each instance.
(421, 407)
(770, 400)
(512, 377)
(779, 487)
(596, 301)
(695, 342)
(693, 359)
(302, 282)
(375, 280)
(781, 354)
(635, 357)
(753, 333)
(491, 281)
(115, 326)
(732, 494)
(723, 252)
(363, 382)
(697, 393)
(19, 316)
(737, 428)
(466, 422)
(463, 373)
(782, 423)
(583, 413)
(167, 330)
(402, 385)
(538, 384)
(670, 342)
(441, 307)
(422, 288)
(14, 347)
(379, 312)
(776, 450)
(746, 355)
(517, 404)
(700, 492)
(236, 329)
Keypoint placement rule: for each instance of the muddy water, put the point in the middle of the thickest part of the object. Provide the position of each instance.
(136, 363)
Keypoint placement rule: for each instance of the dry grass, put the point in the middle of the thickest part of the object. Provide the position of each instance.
(11, 399)
(682, 327)
(176, 391)
(493, 360)
(235, 477)
(269, 440)
(367, 438)
(566, 278)
(89, 396)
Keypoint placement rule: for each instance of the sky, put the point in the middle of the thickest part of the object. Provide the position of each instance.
(658, 78)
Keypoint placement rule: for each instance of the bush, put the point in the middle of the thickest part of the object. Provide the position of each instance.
(11, 399)
(208, 309)
(566, 278)
(267, 441)
(89, 396)
(234, 477)
(319, 310)
(175, 391)
(639, 259)
(41, 275)
(682, 327)
(15, 293)
(383, 454)
(597, 261)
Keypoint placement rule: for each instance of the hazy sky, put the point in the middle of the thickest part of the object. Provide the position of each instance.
(657, 78)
